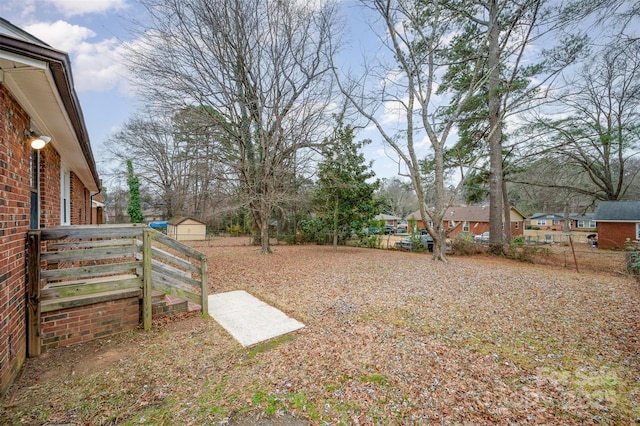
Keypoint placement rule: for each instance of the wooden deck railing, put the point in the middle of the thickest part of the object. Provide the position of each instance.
(74, 266)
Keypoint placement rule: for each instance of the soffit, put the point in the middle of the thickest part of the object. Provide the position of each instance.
(32, 84)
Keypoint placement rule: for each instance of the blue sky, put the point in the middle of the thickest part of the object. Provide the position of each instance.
(92, 32)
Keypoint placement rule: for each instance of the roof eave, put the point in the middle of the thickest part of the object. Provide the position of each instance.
(60, 72)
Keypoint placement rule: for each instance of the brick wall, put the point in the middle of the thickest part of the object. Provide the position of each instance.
(14, 223)
(613, 235)
(75, 325)
(80, 202)
(49, 187)
(517, 231)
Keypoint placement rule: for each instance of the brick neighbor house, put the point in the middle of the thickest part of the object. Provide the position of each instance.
(471, 220)
(617, 221)
(50, 186)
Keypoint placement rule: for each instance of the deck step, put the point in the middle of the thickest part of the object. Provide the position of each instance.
(164, 304)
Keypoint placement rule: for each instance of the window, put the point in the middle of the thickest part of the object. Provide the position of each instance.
(556, 222)
(465, 226)
(516, 225)
(542, 222)
(637, 231)
(586, 224)
(65, 195)
(451, 224)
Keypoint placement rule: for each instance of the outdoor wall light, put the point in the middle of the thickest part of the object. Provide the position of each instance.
(38, 141)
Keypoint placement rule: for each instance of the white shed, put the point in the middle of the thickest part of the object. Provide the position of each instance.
(186, 229)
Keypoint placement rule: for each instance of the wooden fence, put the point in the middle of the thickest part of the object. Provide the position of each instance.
(74, 266)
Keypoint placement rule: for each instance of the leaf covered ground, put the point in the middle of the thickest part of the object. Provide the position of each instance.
(390, 338)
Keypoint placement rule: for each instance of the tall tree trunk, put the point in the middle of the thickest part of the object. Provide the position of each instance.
(495, 132)
(335, 226)
(264, 234)
(507, 212)
(257, 225)
(439, 237)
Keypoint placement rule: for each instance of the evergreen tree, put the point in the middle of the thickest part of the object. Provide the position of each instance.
(344, 199)
(134, 210)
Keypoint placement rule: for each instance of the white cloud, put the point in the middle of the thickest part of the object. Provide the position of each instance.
(60, 35)
(96, 66)
(395, 112)
(100, 66)
(81, 7)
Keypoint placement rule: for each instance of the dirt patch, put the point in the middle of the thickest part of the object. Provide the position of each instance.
(77, 360)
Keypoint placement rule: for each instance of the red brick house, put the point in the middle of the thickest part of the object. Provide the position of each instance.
(52, 185)
(471, 220)
(617, 221)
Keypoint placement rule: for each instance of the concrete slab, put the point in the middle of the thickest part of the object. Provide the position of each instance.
(248, 319)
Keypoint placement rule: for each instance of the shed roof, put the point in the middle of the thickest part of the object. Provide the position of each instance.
(618, 211)
(180, 219)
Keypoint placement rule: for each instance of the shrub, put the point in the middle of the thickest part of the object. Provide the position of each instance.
(315, 230)
(518, 241)
(522, 253)
(233, 230)
(300, 238)
(464, 245)
(370, 241)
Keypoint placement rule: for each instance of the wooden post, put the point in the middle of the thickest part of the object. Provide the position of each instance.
(205, 285)
(33, 294)
(575, 259)
(146, 280)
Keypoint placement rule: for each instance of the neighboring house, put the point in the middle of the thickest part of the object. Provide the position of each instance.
(617, 222)
(471, 220)
(389, 219)
(583, 222)
(45, 185)
(556, 221)
(547, 221)
(186, 229)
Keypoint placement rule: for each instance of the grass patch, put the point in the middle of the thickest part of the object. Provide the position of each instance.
(375, 378)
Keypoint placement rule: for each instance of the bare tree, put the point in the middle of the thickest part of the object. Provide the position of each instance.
(454, 62)
(258, 72)
(599, 134)
(397, 197)
(407, 84)
(167, 164)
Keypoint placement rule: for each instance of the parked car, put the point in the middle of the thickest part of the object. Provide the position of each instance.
(389, 230)
(409, 243)
(482, 238)
(401, 229)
